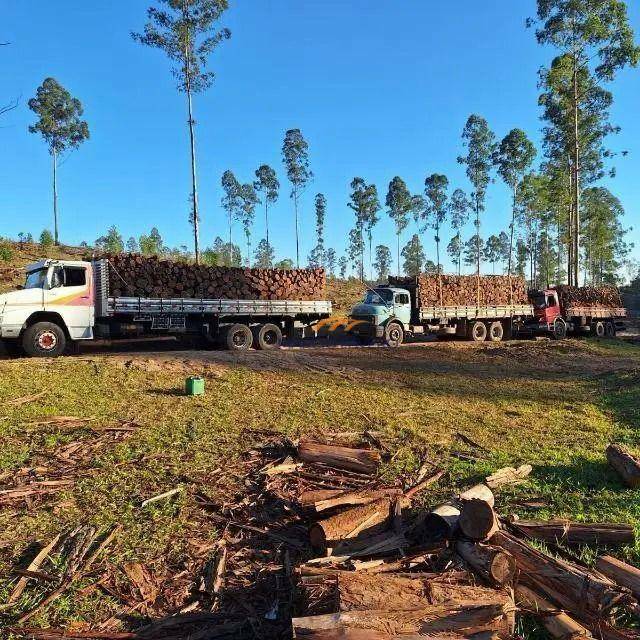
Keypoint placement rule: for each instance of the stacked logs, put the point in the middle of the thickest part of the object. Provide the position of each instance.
(133, 275)
(607, 297)
(452, 291)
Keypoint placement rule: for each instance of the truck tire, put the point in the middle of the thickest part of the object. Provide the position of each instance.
(44, 340)
(267, 337)
(496, 331)
(393, 334)
(610, 329)
(477, 331)
(559, 331)
(237, 337)
(598, 329)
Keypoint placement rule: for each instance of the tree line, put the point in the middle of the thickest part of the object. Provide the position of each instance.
(564, 225)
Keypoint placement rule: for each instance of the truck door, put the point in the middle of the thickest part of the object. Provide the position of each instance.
(402, 307)
(70, 294)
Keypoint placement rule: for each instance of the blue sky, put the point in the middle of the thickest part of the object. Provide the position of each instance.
(378, 89)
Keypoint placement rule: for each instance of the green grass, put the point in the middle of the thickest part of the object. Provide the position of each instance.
(555, 406)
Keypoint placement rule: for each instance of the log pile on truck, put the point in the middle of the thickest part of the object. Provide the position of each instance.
(317, 545)
(134, 275)
(454, 291)
(605, 297)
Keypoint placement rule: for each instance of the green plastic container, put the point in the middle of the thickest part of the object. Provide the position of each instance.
(194, 386)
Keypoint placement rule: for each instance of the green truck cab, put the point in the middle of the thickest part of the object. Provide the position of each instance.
(384, 314)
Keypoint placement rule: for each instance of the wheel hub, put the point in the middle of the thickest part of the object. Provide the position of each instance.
(47, 340)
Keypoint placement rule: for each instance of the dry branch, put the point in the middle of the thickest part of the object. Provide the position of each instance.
(626, 464)
(575, 533)
(508, 475)
(620, 572)
(493, 563)
(364, 461)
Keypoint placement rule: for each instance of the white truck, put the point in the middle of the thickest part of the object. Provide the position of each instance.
(63, 303)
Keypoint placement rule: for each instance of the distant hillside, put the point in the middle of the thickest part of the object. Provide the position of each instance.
(342, 293)
(12, 271)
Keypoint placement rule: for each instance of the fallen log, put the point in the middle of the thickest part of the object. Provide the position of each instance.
(364, 461)
(558, 623)
(478, 520)
(574, 588)
(493, 563)
(575, 533)
(496, 615)
(442, 522)
(620, 572)
(350, 523)
(626, 464)
(508, 475)
(368, 634)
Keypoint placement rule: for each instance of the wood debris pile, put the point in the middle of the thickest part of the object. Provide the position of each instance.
(316, 545)
(151, 277)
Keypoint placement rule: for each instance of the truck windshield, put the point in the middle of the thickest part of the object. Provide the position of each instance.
(539, 301)
(373, 297)
(36, 279)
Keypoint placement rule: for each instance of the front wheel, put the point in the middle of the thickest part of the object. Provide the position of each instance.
(44, 340)
(559, 329)
(393, 334)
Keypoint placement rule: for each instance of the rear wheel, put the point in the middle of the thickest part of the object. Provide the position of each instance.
(393, 334)
(44, 340)
(496, 332)
(598, 329)
(267, 337)
(610, 329)
(237, 337)
(477, 331)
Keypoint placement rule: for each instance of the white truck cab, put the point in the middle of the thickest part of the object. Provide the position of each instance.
(55, 306)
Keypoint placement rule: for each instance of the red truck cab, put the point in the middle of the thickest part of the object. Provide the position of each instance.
(547, 312)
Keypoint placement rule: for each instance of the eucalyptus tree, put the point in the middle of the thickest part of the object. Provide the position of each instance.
(132, 245)
(231, 201)
(342, 266)
(61, 126)
(355, 251)
(470, 250)
(321, 213)
(295, 154)
(459, 207)
(492, 251)
(399, 205)
(513, 158)
(264, 255)
(382, 265)
(435, 191)
(479, 141)
(595, 40)
(414, 256)
(365, 204)
(268, 186)
(330, 261)
(187, 31)
(246, 213)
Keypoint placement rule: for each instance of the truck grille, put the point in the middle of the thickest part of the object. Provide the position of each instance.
(363, 318)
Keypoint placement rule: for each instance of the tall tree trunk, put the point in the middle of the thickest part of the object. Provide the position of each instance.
(477, 224)
(513, 224)
(459, 254)
(576, 174)
(295, 207)
(266, 218)
(55, 196)
(192, 138)
(398, 235)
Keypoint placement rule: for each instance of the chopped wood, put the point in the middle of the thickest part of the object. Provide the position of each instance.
(324, 500)
(162, 496)
(572, 587)
(495, 615)
(625, 463)
(508, 475)
(442, 522)
(493, 563)
(364, 461)
(558, 623)
(350, 523)
(61, 634)
(570, 533)
(288, 466)
(423, 484)
(34, 565)
(478, 520)
(141, 577)
(620, 572)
